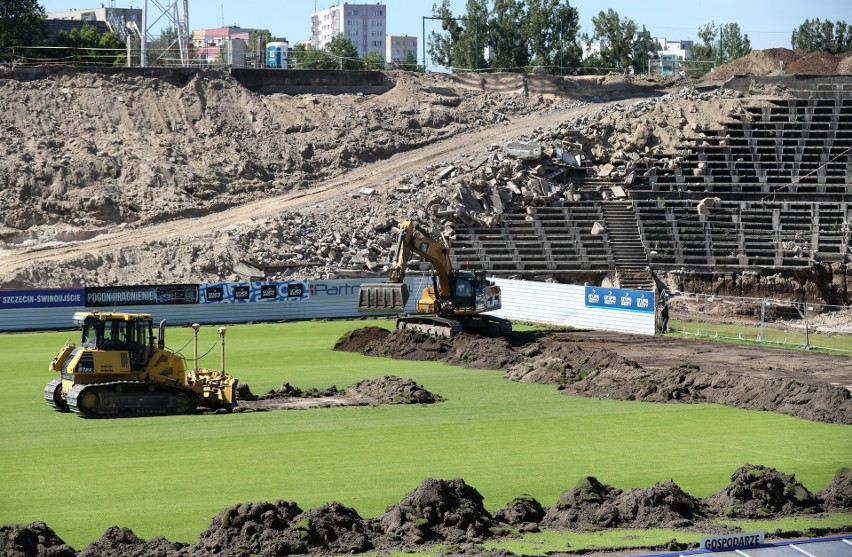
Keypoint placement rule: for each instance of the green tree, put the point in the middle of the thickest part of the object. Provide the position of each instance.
(732, 43)
(410, 64)
(463, 47)
(441, 45)
(719, 44)
(506, 40)
(617, 36)
(256, 46)
(823, 36)
(374, 61)
(551, 30)
(21, 23)
(341, 54)
(86, 46)
(304, 58)
(519, 33)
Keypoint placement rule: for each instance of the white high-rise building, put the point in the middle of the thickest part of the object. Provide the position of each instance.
(363, 24)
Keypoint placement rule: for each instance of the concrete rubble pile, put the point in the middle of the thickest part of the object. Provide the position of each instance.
(599, 154)
(603, 152)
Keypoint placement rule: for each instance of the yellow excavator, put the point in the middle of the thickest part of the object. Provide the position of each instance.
(453, 303)
(120, 369)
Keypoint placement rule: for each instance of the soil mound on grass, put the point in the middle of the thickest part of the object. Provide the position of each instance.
(382, 390)
(561, 359)
(122, 542)
(282, 529)
(449, 511)
(837, 495)
(582, 506)
(520, 510)
(359, 339)
(391, 390)
(592, 504)
(36, 539)
(756, 491)
(472, 351)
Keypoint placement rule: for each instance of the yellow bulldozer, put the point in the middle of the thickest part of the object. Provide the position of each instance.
(120, 369)
(455, 302)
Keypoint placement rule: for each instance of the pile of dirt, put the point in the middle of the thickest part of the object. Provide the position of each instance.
(391, 390)
(450, 512)
(476, 352)
(283, 528)
(783, 61)
(837, 495)
(756, 491)
(521, 511)
(381, 390)
(561, 359)
(32, 540)
(122, 542)
(592, 504)
(170, 150)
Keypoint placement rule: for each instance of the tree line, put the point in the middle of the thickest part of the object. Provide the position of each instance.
(504, 35)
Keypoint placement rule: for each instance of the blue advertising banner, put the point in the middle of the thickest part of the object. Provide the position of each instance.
(42, 298)
(618, 298)
(104, 296)
(244, 292)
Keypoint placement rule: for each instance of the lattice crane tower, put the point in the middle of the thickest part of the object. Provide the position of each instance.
(171, 13)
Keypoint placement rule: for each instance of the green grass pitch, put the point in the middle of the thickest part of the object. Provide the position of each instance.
(168, 476)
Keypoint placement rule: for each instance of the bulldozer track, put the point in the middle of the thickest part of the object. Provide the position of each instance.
(313, 195)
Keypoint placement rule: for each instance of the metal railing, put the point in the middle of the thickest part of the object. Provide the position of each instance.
(806, 325)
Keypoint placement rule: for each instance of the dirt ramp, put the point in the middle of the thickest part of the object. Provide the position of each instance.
(756, 491)
(449, 511)
(32, 540)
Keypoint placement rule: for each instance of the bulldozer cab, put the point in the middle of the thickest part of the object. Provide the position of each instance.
(131, 333)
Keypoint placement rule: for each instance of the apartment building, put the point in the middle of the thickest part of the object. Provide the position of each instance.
(363, 24)
(398, 47)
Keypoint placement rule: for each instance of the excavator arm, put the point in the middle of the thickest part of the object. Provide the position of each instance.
(393, 294)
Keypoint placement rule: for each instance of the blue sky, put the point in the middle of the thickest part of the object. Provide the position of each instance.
(768, 23)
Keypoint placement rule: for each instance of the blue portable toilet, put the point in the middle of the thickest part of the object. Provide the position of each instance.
(277, 54)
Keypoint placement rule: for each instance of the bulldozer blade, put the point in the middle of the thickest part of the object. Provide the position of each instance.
(382, 297)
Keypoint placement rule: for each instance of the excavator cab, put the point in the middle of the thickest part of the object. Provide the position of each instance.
(465, 289)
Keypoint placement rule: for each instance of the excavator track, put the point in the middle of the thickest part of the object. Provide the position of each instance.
(431, 325)
(53, 395)
(123, 399)
(444, 327)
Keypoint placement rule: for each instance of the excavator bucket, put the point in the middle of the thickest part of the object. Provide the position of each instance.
(382, 297)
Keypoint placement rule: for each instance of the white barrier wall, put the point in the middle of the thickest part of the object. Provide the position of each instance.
(586, 307)
(322, 298)
(630, 311)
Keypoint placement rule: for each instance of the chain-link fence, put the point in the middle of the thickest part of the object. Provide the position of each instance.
(762, 320)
